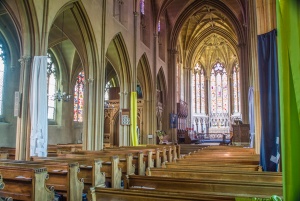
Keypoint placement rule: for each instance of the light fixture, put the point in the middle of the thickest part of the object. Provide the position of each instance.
(61, 96)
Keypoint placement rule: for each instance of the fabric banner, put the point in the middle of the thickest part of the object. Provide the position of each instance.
(269, 101)
(133, 118)
(38, 107)
(251, 115)
(288, 26)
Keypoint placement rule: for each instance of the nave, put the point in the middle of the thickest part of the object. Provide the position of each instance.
(151, 172)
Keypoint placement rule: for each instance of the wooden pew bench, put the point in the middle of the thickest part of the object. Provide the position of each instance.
(63, 176)
(4, 155)
(171, 151)
(248, 189)
(269, 177)
(151, 156)
(203, 161)
(68, 147)
(187, 148)
(106, 194)
(10, 150)
(125, 159)
(229, 148)
(109, 170)
(25, 183)
(89, 170)
(218, 166)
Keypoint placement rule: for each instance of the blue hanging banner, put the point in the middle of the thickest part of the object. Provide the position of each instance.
(173, 120)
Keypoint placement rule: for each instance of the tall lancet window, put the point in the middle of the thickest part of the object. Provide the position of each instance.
(2, 68)
(78, 97)
(142, 7)
(236, 89)
(198, 90)
(51, 86)
(219, 89)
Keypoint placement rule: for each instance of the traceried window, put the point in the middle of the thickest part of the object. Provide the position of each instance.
(219, 89)
(106, 93)
(198, 90)
(51, 86)
(236, 90)
(2, 68)
(158, 26)
(78, 97)
(142, 7)
(143, 25)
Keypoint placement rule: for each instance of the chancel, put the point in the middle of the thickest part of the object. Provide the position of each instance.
(149, 100)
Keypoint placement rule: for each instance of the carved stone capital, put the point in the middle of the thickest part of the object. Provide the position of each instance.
(135, 13)
(24, 61)
(90, 80)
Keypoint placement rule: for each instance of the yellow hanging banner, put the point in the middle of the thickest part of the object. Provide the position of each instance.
(133, 114)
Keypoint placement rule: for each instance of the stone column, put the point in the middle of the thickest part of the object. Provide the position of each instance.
(153, 104)
(23, 120)
(172, 89)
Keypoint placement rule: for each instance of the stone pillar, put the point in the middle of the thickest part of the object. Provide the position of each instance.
(244, 82)
(172, 89)
(89, 141)
(23, 120)
(153, 104)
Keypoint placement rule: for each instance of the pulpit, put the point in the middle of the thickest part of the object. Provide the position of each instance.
(241, 135)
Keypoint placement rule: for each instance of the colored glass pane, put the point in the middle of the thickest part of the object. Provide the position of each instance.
(79, 97)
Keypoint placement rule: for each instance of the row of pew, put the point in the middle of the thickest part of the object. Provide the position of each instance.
(150, 172)
(73, 172)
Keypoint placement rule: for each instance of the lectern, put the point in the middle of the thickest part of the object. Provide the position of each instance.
(241, 135)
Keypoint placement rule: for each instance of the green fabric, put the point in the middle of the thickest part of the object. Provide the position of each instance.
(133, 119)
(288, 25)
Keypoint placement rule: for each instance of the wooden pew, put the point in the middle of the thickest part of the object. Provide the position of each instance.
(25, 183)
(269, 177)
(63, 176)
(3, 155)
(10, 150)
(187, 148)
(109, 168)
(214, 166)
(152, 154)
(125, 159)
(229, 148)
(106, 194)
(194, 185)
(68, 147)
(171, 152)
(204, 161)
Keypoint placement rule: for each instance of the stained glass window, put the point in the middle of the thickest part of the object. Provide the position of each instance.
(236, 90)
(142, 7)
(2, 67)
(158, 26)
(219, 89)
(198, 90)
(106, 93)
(78, 97)
(51, 86)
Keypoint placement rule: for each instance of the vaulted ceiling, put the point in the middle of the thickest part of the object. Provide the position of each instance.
(206, 31)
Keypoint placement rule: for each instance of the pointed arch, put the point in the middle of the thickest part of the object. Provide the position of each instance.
(162, 84)
(117, 55)
(144, 77)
